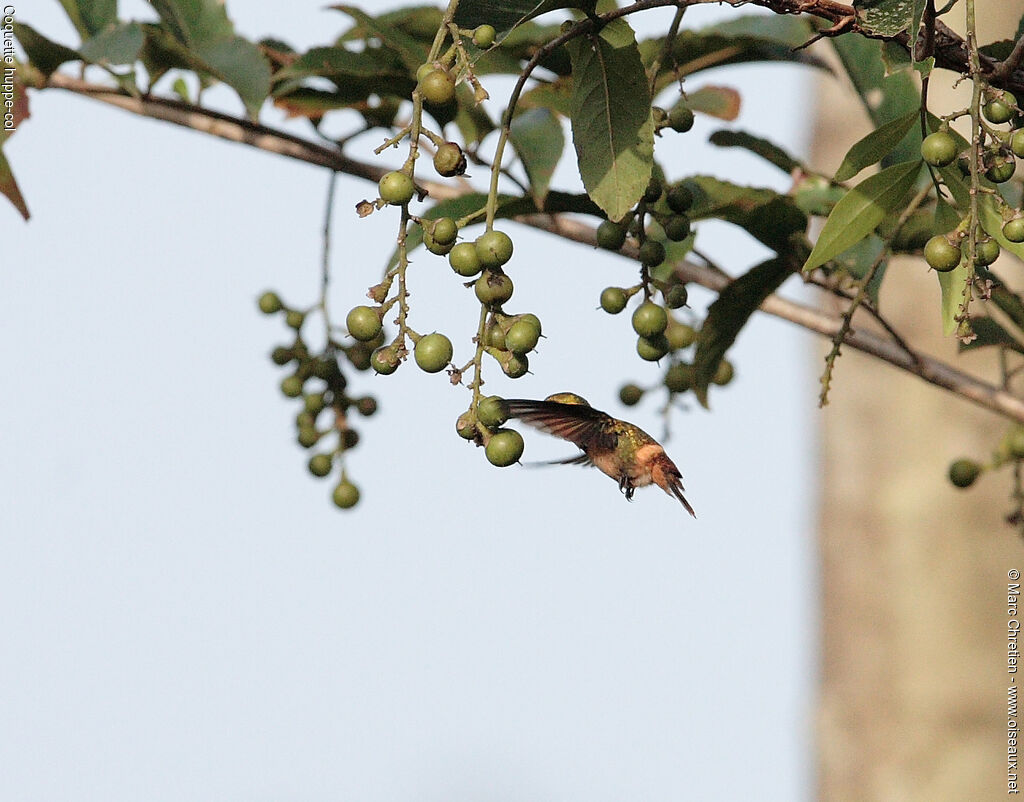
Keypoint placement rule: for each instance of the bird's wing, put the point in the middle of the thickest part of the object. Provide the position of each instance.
(580, 424)
(579, 459)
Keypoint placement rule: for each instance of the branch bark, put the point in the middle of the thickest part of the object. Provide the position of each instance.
(266, 138)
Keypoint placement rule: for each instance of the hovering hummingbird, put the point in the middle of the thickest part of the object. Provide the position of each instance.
(621, 450)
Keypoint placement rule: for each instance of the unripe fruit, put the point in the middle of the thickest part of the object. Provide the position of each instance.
(483, 36)
(1013, 229)
(533, 320)
(345, 495)
(677, 228)
(494, 337)
(326, 369)
(613, 300)
(1017, 144)
(384, 360)
(493, 248)
(504, 448)
(463, 259)
(522, 337)
(939, 149)
(1001, 170)
(359, 355)
(320, 464)
(677, 296)
(652, 253)
(515, 365)
(450, 160)
(493, 288)
(963, 472)
(653, 191)
(941, 255)
(307, 436)
(294, 318)
(611, 236)
(367, 405)
(681, 119)
(444, 231)
(281, 356)
(630, 394)
(270, 303)
(660, 116)
(680, 335)
(723, 373)
(435, 247)
(492, 411)
(396, 188)
(679, 199)
(314, 403)
(679, 377)
(466, 426)
(649, 320)
(652, 349)
(433, 352)
(437, 87)
(363, 323)
(1000, 110)
(349, 439)
(986, 251)
(291, 386)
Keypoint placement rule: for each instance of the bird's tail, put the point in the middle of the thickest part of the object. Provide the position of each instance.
(666, 476)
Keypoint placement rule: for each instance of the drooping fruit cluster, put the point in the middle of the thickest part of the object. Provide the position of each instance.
(317, 381)
(965, 471)
(483, 425)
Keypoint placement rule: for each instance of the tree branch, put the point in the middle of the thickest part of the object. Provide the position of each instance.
(274, 141)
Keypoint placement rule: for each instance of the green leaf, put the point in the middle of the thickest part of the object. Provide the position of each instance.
(204, 29)
(766, 215)
(875, 146)
(412, 52)
(722, 102)
(556, 96)
(44, 54)
(768, 151)
(953, 282)
(119, 44)
(862, 209)
(90, 17)
(9, 187)
(815, 195)
(612, 128)
(989, 332)
(885, 17)
(537, 136)
(311, 103)
(857, 261)
(727, 316)
(506, 14)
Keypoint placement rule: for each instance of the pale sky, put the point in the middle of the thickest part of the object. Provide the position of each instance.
(186, 616)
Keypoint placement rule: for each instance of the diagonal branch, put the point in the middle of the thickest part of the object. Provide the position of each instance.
(271, 140)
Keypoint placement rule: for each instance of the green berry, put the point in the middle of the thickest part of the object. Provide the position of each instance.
(504, 448)
(437, 87)
(492, 411)
(320, 464)
(677, 296)
(493, 288)
(349, 439)
(630, 394)
(1000, 110)
(345, 495)
(649, 319)
(450, 160)
(533, 320)
(653, 348)
(613, 300)
(367, 406)
(522, 337)
(466, 426)
(270, 303)
(679, 199)
(493, 248)
(294, 318)
(314, 402)
(515, 365)
(611, 236)
(941, 254)
(281, 355)
(679, 377)
(986, 251)
(291, 386)
(963, 472)
(396, 188)
(652, 253)
(653, 191)
(680, 335)
(483, 36)
(494, 337)
(681, 119)
(939, 149)
(308, 436)
(1001, 170)
(444, 231)
(677, 228)
(363, 323)
(1017, 143)
(463, 259)
(433, 352)
(384, 360)
(1013, 229)
(723, 373)
(359, 355)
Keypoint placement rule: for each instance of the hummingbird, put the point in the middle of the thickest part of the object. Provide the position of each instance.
(619, 449)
